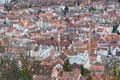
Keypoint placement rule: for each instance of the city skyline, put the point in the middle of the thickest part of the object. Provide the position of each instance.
(60, 40)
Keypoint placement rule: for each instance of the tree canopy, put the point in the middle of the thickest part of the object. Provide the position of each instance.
(67, 66)
(85, 72)
(66, 9)
(119, 1)
(14, 72)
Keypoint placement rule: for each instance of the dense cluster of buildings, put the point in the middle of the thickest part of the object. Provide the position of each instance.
(84, 35)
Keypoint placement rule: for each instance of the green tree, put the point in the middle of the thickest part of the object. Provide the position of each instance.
(85, 72)
(13, 72)
(51, 38)
(114, 72)
(39, 11)
(89, 77)
(92, 9)
(67, 66)
(7, 7)
(82, 70)
(30, 5)
(65, 10)
(109, 52)
(115, 26)
(93, 32)
(26, 74)
(9, 70)
(119, 1)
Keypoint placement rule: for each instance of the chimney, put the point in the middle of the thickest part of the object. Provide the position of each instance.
(90, 37)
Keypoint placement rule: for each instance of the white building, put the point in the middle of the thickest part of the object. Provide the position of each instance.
(102, 51)
(40, 52)
(81, 58)
(99, 59)
(114, 50)
(36, 52)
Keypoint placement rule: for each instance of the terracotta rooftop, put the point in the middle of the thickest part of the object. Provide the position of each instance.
(93, 58)
(71, 75)
(97, 68)
(100, 77)
(62, 56)
(83, 78)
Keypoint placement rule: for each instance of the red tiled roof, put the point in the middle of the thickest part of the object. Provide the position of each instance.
(100, 77)
(93, 58)
(78, 43)
(70, 75)
(102, 48)
(97, 68)
(58, 61)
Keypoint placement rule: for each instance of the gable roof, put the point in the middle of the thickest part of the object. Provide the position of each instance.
(58, 61)
(102, 41)
(100, 76)
(69, 52)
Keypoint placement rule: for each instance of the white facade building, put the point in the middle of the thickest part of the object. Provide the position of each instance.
(81, 58)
